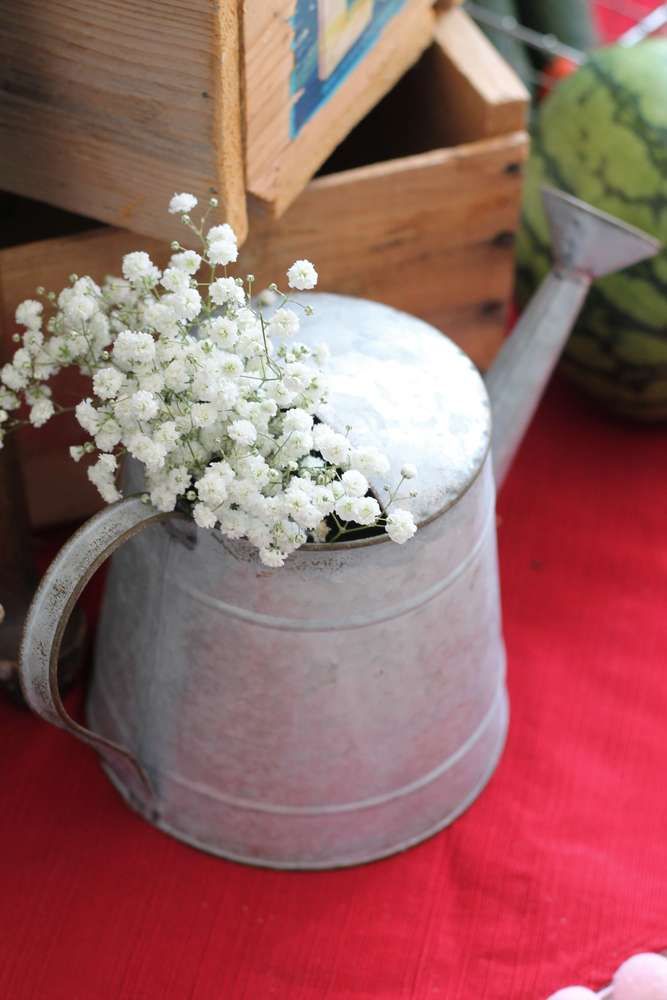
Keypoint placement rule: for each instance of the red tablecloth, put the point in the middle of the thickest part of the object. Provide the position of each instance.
(555, 875)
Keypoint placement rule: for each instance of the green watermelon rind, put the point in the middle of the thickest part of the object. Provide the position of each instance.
(618, 350)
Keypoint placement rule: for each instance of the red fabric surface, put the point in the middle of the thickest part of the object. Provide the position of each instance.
(557, 873)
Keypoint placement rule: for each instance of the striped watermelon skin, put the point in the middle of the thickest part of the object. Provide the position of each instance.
(602, 136)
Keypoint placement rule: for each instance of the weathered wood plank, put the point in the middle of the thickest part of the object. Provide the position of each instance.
(490, 97)
(108, 106)
(431, 234)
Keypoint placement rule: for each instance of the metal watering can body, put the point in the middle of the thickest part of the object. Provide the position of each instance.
(353, 702)
(326, 714)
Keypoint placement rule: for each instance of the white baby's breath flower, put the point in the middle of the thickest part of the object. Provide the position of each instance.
(335, 448)
(185, 305)
(242, 432)
(41, 411)
(133, 349)
(302, 275)
(222, 252)
(167, 434)
(366, 511)
(175, 279)
(400, 525)
(184, 373)
(177, 375)
(283, 323)
(225, 291)
(138, 267)
(182, 203)
(272, 557)
(355, 484)
(102, 475)
(163, 497)
(203, 414)
(408, 471)
(297, 419)
(203, 516)
(8, 400)
(13, 378)
(107, 382)
(29, 313)
(160, 317)
(221, 232)
(267, 297)
(33, 340)
(144, 405)
(345, 508)
(187, 260)
(222, 331)
(109, 434)
(143, 447)
(87, 416)
(370, 461)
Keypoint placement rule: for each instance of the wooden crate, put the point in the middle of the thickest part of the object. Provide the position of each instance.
(313, 69)
(428, 229)
(107, 109)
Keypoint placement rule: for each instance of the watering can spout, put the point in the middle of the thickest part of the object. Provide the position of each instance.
(586, 244)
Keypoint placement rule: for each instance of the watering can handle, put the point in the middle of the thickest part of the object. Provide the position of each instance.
(52, 606)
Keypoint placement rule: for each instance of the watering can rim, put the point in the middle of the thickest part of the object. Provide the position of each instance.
(404, 386)
(361, 543)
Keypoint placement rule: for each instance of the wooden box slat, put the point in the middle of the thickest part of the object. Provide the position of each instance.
(279, 164)
(107, 107)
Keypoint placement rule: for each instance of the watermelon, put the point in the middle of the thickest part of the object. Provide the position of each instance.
(602, 136)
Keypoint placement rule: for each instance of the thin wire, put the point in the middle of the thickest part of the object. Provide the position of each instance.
(535, 39)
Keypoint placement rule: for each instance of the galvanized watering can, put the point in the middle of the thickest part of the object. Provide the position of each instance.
(353, 702)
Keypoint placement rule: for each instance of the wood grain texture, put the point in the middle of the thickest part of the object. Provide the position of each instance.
(278, 167)
(490, 97)
(431, 234)
(107, 107)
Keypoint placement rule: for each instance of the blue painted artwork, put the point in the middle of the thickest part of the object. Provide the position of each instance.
(330, 39)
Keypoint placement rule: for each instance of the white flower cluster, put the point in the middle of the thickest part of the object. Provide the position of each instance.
(217, 402)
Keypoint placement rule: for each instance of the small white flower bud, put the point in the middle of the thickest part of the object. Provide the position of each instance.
(89, 447)
(408, 471)
(213, 202)
(16, 337)
(175, 245)
(73, 278)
